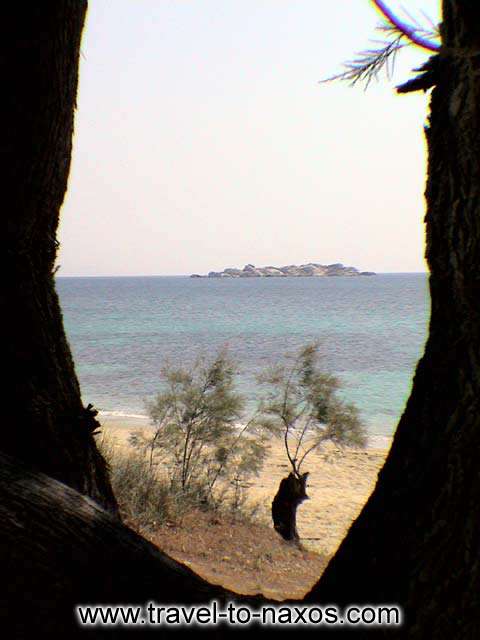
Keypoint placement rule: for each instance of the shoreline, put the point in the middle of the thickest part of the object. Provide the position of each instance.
(120, 420)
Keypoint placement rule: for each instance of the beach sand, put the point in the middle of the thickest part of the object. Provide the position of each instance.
(338, 485)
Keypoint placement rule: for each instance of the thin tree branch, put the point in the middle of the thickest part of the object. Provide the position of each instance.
(232, 448)
(285, 439)
(306, 427)
(309, 450)
(410, 32)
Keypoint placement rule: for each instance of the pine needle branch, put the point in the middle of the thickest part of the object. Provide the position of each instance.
(368, 64)
(398, 33)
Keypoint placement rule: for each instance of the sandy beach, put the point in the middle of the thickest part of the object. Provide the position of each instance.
(338, 485)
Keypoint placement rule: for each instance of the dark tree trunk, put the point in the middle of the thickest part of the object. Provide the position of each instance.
(44, 422)
(417, 541)
(290, 495)
(58, 551)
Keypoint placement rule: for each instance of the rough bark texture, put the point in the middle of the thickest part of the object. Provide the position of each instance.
(417, 541)
(58, 549)
(290, 495)
(43, 421)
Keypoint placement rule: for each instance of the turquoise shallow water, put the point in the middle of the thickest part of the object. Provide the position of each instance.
(371, 331)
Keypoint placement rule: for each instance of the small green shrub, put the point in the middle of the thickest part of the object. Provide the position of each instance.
(147, 497)
(198, 435)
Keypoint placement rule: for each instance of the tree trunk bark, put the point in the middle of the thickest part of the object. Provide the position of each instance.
(59, 550)
(290, 495)
(44, 422)
(417, 541)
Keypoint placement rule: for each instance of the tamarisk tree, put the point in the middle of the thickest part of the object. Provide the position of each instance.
(201, 434)
(416, 542)
(306, 412)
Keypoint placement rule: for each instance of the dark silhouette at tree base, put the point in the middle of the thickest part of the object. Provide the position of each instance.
(290, 495)
(417, 540)
(303, 407)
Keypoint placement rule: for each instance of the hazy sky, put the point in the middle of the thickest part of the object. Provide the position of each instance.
(204, 140)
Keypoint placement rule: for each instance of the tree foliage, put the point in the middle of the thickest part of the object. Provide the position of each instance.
(304, 408)
(201, 433)
(398, 31)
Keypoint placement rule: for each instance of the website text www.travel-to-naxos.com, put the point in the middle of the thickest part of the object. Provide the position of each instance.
(234, 614)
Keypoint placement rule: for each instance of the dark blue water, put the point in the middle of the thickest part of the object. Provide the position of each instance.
(371, 331)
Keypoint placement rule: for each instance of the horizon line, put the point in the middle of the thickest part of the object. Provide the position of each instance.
(185, 275)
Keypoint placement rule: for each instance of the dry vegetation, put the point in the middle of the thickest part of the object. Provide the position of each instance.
(234, 546)
(242, 556)
(239, 549)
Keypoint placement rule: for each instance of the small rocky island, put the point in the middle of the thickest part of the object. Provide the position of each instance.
(312, 269)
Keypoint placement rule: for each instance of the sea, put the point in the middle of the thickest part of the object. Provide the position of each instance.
(371, 332)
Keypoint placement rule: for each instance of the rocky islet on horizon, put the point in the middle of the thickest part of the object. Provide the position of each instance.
(312, 269)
